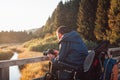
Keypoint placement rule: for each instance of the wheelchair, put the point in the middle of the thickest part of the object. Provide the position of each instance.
(64, 71)
(69, 72)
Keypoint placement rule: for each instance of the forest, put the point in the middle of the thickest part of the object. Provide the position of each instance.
(95, 20)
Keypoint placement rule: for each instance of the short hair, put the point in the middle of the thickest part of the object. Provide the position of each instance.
(63, 30)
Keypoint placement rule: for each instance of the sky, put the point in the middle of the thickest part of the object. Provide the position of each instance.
(19, 15)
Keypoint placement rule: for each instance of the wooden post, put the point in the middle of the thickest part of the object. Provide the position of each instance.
(4, 73)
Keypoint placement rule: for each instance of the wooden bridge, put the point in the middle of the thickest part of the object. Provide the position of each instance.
(5, 64)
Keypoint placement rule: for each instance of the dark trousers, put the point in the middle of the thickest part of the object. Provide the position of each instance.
(64, 73)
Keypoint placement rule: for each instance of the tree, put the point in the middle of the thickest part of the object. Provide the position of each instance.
(86, 18)
(114, 22)
(64, 14)
(102, 19)
(71, 10)
(59, 16)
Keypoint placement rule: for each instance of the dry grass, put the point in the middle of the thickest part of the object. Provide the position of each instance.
(28, 71)
(40, 45)
(7, 50)
(34, 70)
(5, 54)
(16, 48)
(29, 54)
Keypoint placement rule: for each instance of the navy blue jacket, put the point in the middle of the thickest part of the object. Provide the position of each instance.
(72, 48)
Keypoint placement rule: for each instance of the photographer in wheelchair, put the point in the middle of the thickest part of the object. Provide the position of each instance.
(67, 63)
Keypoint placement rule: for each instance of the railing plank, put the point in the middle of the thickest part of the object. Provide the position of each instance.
(7, 63)
(114, 49)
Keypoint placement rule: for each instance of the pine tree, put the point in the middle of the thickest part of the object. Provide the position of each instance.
(60, 15)
(86, 18)
(71, 10)
(102, 19)
(64, 14)
(114, 22)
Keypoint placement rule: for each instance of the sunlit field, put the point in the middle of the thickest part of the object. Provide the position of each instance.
(5, 54)
(28, 71)
(33, 70)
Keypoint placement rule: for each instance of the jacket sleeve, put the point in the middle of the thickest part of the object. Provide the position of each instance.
(63, 50)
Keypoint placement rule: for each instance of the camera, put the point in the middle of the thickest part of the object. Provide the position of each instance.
(49, 51)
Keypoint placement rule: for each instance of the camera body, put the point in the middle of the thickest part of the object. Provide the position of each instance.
(49, 51)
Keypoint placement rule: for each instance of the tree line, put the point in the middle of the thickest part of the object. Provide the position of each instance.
(14, 37)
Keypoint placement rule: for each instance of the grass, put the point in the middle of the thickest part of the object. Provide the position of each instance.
(7, 50)
(17, 48)
(41, 45)
(28, 71)
(33, 70)
(5, 54)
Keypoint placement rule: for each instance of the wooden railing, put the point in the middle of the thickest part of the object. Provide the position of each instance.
(4, 65)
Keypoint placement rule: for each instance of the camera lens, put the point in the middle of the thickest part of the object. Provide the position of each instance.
(49, 51)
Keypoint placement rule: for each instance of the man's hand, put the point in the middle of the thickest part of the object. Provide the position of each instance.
(51, 56)
(56, 52)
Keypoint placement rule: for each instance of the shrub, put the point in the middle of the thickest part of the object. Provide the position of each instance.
(5, 54)
(43, 47)
(49, 42)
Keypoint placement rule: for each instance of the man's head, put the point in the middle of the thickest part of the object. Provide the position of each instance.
(61, 31)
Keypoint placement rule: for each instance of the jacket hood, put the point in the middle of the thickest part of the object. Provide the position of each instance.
(72, 36)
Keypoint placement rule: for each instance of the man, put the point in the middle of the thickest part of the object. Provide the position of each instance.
(72, 49)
